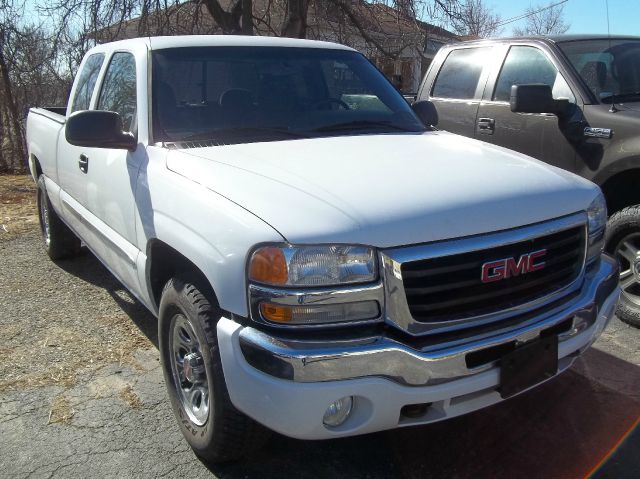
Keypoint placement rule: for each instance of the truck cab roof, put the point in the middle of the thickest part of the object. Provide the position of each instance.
(548, 39)
(164, 42)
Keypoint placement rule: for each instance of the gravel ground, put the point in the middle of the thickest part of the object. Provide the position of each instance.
(17, 205)
(82, 394)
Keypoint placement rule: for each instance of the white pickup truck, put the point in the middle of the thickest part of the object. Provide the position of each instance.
(320, 262)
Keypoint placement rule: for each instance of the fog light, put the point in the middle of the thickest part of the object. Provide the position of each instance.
(338, 412)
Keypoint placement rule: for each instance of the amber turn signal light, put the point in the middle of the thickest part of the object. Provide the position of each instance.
(268, 265)
(278, 314)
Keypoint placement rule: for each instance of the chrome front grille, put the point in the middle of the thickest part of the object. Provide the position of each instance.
(437, 287)
(450, 287)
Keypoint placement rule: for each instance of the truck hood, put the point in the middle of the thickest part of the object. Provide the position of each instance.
(385, 190)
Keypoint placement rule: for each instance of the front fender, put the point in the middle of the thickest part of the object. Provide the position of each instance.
(211, 231)
(616, 165)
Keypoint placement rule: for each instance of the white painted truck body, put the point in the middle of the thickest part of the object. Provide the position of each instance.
(390, 191)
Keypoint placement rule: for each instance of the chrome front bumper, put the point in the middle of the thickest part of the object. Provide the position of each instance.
(441, 361)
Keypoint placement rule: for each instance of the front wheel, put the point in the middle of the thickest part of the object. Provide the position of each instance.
(213, 427)
(623, 241)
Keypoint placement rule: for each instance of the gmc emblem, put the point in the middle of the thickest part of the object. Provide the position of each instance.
(509, 267)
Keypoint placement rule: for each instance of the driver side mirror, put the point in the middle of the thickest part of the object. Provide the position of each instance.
(536, 98)
(98, 129)
(426, 111)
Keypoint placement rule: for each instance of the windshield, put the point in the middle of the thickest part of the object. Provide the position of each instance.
(611, 68)
(245, 94)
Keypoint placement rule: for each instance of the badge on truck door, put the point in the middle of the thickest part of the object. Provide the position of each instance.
(598, 132)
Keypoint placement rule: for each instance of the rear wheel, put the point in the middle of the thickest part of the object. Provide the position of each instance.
(192, 368)
(623, 241)
(59, 241)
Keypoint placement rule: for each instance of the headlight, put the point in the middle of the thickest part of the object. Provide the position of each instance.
(597, 222)
(323, 265)
(314, 286)
(597, 213)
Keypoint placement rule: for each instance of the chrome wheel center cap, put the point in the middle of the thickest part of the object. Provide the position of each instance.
(193, 367)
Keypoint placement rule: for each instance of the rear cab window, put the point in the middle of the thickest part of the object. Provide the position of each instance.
(460, 74)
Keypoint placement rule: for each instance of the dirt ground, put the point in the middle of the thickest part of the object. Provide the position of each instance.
(17, 205)
(82, 394)
(50, 355)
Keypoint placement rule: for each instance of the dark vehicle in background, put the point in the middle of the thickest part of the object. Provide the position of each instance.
(572, 101)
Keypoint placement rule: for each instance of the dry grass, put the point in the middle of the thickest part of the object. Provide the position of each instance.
(61, 411)
(128, 395)
(67, 324)
(18, 213)
(66, 350)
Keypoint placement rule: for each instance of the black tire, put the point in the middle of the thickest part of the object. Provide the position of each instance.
(227, 434)
(622, 238)
(59, 241)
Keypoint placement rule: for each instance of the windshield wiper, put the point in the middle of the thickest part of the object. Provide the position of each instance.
(621, 96)
(360, 124)
(242, 129)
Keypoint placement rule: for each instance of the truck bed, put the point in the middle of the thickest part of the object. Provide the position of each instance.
(44, 127)
(57, 113)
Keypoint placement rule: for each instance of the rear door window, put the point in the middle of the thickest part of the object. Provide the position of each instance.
(119, 89)
(459, 76)
(87, 82)
(528, 65)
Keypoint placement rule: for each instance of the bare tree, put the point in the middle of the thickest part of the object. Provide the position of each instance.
(37, 62)
(543, 21)
(237, 20)
(11, 131)
(295, 23)
(476, 19)
(105, 20)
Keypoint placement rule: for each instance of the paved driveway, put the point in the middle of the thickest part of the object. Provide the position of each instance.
(82, 395)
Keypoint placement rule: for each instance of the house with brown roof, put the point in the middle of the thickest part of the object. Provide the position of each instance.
(398, 43)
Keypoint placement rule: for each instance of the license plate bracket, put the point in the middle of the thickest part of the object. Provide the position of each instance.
(528, 365)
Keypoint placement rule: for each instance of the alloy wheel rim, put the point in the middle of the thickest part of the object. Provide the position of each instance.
(45, 220)
(188, 370)
(628, 255)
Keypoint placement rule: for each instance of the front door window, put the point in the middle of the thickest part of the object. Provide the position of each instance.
(529, 65)
(119, 89)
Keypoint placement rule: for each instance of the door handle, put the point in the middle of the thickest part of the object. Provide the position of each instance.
(83, 163)
(486, 126)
